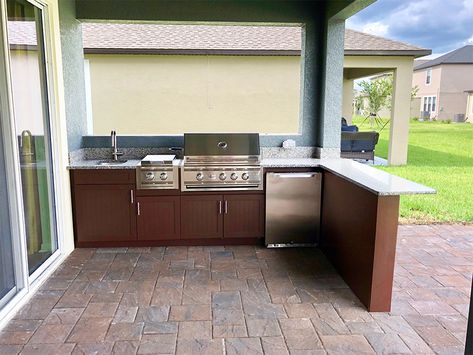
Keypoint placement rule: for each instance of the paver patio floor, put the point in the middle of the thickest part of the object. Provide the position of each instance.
(247, 300)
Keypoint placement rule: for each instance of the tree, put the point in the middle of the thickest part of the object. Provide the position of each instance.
(378, 93)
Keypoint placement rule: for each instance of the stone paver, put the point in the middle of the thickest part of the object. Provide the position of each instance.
(247, 300)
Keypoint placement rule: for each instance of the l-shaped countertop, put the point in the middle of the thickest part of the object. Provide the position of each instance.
(377, 181)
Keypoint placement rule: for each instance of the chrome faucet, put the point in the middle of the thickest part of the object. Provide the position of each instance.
(115, 152)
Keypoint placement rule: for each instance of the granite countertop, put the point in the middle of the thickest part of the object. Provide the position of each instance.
(372, 179)
(94, 164)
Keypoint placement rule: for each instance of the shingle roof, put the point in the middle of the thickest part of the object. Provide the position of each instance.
(151, 36)
(463, 55)
(121, 37)
(358, 43)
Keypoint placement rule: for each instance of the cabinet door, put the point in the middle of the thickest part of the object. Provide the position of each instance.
(158, 217)
(201, 216)
(243, 216)
(104, 213)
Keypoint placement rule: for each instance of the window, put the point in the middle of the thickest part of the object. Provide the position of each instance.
(428, 77)
(430, 103)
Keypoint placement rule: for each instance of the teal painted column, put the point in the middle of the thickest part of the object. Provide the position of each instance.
(329, 130)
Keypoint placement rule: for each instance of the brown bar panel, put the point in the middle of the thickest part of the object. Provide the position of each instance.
(359, 230)
(103, 176)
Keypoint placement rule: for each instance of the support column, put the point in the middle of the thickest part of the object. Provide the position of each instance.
(400, 112)
(328, 129)
(347, 108)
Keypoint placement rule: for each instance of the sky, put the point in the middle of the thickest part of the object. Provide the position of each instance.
(440, 25)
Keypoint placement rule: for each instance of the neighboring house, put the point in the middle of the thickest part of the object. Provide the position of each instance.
(444, 83)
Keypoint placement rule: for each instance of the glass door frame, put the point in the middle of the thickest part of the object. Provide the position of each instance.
(24, 281)
(12, 171)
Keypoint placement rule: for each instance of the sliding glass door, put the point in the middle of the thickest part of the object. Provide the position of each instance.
(7, 271)
(31, 117)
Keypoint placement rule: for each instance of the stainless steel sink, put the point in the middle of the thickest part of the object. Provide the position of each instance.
(112, 162)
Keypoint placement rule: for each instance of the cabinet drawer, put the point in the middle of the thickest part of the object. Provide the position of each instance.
(103, 176)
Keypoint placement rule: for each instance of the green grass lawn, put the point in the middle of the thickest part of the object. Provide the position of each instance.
(440, 156)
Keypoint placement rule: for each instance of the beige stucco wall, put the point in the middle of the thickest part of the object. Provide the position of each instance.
(469, 108)
(456, 79)
(432, 89)
(158, 94)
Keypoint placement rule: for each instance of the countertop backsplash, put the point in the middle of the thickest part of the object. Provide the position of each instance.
(140, 153)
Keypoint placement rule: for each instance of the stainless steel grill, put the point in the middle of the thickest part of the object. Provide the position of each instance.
(221, 162)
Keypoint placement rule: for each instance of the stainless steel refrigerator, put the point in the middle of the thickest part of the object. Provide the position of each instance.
(293, 203)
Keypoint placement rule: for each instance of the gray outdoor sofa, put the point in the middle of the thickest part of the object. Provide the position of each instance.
(358, 145)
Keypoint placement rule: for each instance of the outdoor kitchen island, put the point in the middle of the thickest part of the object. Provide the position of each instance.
(359, 219)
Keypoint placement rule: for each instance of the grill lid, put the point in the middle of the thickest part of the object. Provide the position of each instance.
(225, 144)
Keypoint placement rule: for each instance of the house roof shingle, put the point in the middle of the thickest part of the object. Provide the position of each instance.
(463, 55)
(123, 37)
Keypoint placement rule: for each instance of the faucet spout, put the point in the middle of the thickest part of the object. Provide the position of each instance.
(115, 152)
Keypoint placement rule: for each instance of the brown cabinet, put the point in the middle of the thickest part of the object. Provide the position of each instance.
(201, 216)
(109, 211)
(158, 217)
(104, 213)
(243, 216)
(222, 216)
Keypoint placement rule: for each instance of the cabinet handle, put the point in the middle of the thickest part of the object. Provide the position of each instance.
(132, 197)
(226, 207)
(138, 209)
(219, 207)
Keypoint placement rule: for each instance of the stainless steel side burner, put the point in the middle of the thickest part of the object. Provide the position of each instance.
(221, 162)
(158, 172)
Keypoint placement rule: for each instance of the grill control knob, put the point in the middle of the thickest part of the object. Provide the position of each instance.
(234, 176)
(199, 176)
(222, 176)
(245, 176)
(149, 176)
(163, 176)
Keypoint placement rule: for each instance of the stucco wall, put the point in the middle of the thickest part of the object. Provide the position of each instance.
(173, 94)
(73, 67)
(456, 79)
(469, 108)
(432, 89)
(312, 15)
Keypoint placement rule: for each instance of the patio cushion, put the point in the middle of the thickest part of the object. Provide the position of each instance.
(350, 128)
(359, 141)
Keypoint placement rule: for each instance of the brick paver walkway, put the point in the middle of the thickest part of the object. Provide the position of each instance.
(247, 300)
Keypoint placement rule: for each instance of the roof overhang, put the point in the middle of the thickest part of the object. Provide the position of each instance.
(167, 51)
(341, 10)
(406, 53)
